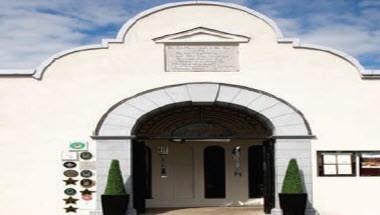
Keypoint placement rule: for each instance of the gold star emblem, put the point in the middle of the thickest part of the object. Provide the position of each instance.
(71, 209)
(70, 181)
(70, 200)
(87, 192)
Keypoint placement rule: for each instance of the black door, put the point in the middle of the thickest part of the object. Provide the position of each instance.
(214, 172)
(139, 175)
(268, 170)
(255, 171)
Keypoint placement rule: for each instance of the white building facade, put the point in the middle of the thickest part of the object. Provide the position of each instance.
(204, 104)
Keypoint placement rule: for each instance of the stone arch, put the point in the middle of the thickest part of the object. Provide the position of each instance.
(291, 133)
(285, 119)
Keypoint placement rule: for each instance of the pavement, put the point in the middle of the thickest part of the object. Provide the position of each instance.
(207, 211)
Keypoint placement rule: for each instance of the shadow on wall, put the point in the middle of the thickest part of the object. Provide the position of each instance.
(310, 210)
(127, 184)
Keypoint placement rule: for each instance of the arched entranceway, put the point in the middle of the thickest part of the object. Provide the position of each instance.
(167, 114)
(201, 157)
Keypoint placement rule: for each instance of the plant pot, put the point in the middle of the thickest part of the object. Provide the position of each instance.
(115, 204)
(293, 204)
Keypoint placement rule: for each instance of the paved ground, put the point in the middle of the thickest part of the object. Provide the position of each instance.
(207, 211)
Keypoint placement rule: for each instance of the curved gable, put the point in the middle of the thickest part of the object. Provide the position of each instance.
(187, 18)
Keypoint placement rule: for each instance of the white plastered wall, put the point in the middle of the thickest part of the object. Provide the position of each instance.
(39, 118)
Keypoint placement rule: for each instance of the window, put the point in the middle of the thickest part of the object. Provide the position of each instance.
(336, 164)
(370, 164)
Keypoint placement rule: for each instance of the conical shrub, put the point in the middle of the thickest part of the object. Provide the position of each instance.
(292, 182)
(115, 185)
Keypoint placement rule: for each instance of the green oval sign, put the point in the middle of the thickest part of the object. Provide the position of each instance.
(77, 145)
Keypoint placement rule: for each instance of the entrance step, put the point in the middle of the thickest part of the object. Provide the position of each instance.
(206, 211)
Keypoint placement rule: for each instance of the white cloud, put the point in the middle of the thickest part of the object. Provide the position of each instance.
(291, 27)
(33, 30)
(351, 39)
(355, 32)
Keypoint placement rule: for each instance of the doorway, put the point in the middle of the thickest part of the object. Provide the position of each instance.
(185, 156)
(214, 172)
(255, 171)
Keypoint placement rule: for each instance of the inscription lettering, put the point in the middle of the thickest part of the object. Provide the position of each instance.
(201, 58)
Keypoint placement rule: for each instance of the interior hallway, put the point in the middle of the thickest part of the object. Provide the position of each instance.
(207, 211)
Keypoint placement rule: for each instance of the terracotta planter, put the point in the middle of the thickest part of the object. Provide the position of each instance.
(115, 204)
(293, 204)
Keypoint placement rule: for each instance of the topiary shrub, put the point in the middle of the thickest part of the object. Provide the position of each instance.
(115, 185)
(292, 181)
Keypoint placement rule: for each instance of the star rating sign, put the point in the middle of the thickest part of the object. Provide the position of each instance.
(70, 200)
(87, 192)
(70, 181)
(71, 209)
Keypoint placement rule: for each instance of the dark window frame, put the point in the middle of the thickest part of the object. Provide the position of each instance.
(321, 164)
(359, 154)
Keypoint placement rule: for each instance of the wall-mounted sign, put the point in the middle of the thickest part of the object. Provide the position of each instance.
(236, 157)
(70, 191)
(70, 181)
(87, 192)
(70, 173)
(78, 146)
(69, 164)
(87, 183)
(86, 155)
(87, 197)
(69, 156)
(86, 173)
(71, 209)
(87, 165)
(370, 164)
(70, 200)
(202, 58)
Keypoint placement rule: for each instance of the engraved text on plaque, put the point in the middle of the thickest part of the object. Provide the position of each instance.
(201, 57)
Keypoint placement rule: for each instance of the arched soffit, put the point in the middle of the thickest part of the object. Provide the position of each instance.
(38, 72)
(191, 121)
(284, 119)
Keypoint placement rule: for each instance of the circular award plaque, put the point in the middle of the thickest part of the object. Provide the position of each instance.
(77, 145)
(70, 173)
(87, 197)
(86, 155)
(87, 183)
(86, 173)
(69, 164)
(70, 191)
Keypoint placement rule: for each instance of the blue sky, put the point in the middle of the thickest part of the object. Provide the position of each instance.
(32, 30)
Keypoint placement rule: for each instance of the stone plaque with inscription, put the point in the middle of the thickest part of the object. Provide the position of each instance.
(201, 57)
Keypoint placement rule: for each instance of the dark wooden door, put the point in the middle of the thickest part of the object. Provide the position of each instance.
(214, 172)
(255, 171)
(139, 175)
(268, 170)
